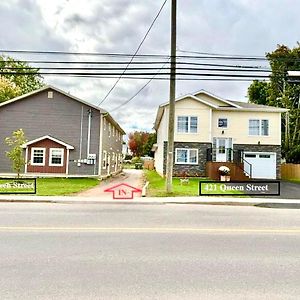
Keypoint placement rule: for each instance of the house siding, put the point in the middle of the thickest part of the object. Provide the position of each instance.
(190, 169)
(113, 147)
(59, 117)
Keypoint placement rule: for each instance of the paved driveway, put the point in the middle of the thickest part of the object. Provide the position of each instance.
(288, 190)
(131, 177)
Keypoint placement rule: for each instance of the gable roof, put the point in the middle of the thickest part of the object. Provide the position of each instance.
(230, 105)
(105, 113)
(50, 138)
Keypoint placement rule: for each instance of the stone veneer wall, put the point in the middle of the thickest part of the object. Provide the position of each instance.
(262, 148)
(191, 170)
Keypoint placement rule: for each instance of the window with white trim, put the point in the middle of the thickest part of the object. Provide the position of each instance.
(56, 157)
(187, 124)
(186, 156)
(109, 129)
(104, 159)
(259, 127)
(38, 156)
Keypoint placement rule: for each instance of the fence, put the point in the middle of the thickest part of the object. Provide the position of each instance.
(290, 171)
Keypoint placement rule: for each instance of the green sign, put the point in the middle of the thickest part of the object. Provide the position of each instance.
(17, 186)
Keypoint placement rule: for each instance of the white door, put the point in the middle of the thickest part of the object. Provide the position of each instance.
(263, 164)
(223, 146)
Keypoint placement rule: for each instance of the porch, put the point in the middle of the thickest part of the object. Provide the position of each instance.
(240, 169)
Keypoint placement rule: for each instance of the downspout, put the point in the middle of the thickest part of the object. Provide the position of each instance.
(89, 132)
(80, 142)
(100, 145)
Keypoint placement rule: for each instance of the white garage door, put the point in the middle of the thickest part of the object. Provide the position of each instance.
(263, 164)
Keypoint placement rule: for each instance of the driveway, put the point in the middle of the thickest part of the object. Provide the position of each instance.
(131, 177)
(288, 190)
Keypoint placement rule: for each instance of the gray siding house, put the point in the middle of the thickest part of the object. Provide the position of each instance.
(66, 136)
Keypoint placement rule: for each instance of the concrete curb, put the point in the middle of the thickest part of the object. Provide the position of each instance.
(260, 202)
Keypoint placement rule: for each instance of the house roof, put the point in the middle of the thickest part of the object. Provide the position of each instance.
(105, 113)
(228, 105)
(50, 138)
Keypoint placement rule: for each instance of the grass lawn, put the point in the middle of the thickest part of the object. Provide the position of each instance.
(64, 186)
(296, 180)
(157, 188)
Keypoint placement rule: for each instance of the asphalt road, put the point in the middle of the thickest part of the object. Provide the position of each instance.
(61, 251)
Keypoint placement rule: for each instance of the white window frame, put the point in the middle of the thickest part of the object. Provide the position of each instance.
(221, 126)
(62, 150)
(189, 124)
(104, 159)
(32, 156)
(188, 156)
(260, 121)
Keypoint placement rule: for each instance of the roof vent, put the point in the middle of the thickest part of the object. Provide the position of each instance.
(50, 95)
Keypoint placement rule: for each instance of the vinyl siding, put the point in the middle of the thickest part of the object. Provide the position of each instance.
(59, 117)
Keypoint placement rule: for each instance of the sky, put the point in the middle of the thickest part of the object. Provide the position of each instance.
(233, 27)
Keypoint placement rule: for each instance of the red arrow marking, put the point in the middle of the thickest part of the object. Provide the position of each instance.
(123, 191)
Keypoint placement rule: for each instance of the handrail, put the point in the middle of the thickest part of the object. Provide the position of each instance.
(250, 165)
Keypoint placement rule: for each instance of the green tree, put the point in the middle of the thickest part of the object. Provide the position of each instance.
(13, 73)
(281, 92)
(8, 89)
(258, 92)
(152, 138)
(15, 154)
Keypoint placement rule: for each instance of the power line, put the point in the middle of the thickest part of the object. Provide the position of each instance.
(140, 90)
(135, 53)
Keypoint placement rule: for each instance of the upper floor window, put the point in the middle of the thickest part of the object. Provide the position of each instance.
(222, 122)
(187, 124)
(258, 127)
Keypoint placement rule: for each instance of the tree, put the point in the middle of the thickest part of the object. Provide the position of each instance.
(258, 92)
(152, 138)
(282, 93)
(140, 143)
(8, 89)
(14, 82)
(15, 154)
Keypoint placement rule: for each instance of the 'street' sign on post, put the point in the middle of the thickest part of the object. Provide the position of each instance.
(17, 186)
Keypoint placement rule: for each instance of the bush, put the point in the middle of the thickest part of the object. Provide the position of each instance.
(136, 160)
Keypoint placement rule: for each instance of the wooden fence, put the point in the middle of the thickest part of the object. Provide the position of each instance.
(290, 171)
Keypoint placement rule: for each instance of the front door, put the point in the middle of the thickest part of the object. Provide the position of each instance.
(223, 149)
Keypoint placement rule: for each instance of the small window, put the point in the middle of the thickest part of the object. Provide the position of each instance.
(265, 127)
(38, 156)
(222, 123)
(253, 127)
(250, 155)
(104, 124)
(264, 156)
(109, 129)
(56, 157)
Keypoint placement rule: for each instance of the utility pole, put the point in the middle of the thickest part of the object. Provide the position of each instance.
(170, 149)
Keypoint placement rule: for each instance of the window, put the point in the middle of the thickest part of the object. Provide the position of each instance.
(187, 124)
(258, 127)
(56, 157)
(264, 127)
(222, 123)
(104, 160)
(109, 129)
(38, 156)
(104, 124)
(186, 156)
(113, 130)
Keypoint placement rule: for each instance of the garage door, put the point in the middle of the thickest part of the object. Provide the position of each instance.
(263, 164)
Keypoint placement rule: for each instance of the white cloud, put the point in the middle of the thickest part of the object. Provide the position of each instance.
(117, 26)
